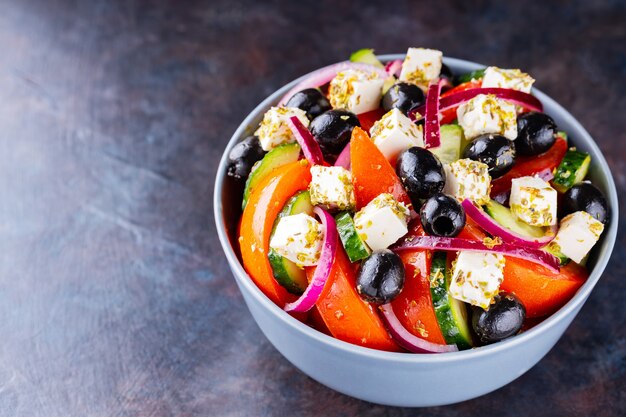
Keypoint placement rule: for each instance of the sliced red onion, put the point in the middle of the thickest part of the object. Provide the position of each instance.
(325, 75)
(431, 122)
(343, 160)
(545, 174)
(496, 229)
(394, 67)
(329, 247)
(520, 98)
(310, 147)
(502, 198)
(456, 244)
(407, 339)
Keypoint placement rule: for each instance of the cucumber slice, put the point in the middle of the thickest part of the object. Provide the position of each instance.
(451, 313)
(355, 247)
(287, 273)
(366, 56)
(506, 218)
(450, 148)
(572, 170)
(277, 157)
(474, 75)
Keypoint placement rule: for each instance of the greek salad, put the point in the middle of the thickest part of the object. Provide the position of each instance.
(402, 207)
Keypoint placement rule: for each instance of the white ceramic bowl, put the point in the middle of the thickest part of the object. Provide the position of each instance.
(404, 379)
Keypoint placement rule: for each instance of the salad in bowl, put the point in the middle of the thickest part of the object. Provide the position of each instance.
(401, 207)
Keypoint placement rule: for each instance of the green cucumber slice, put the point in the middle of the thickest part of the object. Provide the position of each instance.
(355, 247)
(277, 157)
(572, 170)
(287, 273)
(451, 313)
(506, 218)
(366, 56)
(474, 75)
(450, 149)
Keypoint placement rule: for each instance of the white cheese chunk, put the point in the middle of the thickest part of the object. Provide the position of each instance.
(476, 277)
(356, 91)
(467, 178)
(507, 78)
(533, 201)
(577, 234)
(421, 66)
(274, 129)
(394, 133)
(332, 188)
(486, 113)
(381, 222)
(298, 238)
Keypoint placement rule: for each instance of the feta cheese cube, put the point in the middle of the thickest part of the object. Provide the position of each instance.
(476, 277)
(577, 234)
(507, 78)
(486, 113)
(533, 201)
(467, 178)
(421, 66)
(394, 133)
(298, 238)
(332, 187)
(356, 91)
(381, 222)
(274, 129)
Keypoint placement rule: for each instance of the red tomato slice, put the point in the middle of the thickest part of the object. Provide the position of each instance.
(258, 218)
(530, 165)
(368, 119)
(346, 316)
(414, 305)
(372, 174)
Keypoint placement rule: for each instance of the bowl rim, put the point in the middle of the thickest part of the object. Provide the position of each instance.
(402, 357)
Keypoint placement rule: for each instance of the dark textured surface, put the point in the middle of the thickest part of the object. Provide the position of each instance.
(115, 299)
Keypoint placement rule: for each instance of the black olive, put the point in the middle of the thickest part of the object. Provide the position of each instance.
(403, 96)
(535, 133)
(585, 197)
(381, 277)
(446, 72)
(442, 215)
(311, 100)
(503, 319)
(243, 156)
(494, 150)
(421, 173)
(333, 130)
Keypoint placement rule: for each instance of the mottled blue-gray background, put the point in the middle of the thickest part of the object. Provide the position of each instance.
(115, 299)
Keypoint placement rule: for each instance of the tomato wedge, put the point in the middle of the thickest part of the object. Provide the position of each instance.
(368, 119)
(346, 316)
(414, 305)
(531, 165)
(264, 204)
(447, 116)
(540, 290)
(372, 174)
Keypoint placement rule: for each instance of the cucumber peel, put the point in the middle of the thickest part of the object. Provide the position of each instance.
(354, 246)
(451, 313)
(366, 56)
(277, 157)
(286, 272)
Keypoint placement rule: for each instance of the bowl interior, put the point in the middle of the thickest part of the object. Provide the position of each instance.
(227, 205)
